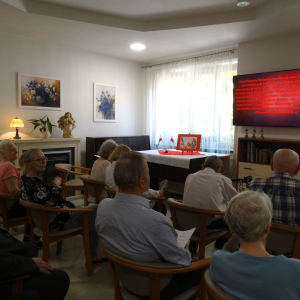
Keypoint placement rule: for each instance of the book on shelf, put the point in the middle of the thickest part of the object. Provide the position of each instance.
(254, 153)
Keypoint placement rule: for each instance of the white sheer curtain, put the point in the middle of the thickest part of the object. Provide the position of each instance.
(193, 96)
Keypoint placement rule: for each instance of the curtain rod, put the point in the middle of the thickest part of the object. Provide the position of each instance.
(187, 59)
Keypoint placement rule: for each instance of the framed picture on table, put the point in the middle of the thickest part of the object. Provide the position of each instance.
(188, 142)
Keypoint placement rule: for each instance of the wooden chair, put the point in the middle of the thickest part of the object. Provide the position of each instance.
(6, 202)
(73, 184)
(16, 284)
(284, 239)
(159, 201)
(41, 216)
(214, 291)
(92, 190)
(149, 278)
(185, 217)
(111, 193)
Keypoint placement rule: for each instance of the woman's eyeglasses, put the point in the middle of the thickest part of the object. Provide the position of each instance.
(40, 160)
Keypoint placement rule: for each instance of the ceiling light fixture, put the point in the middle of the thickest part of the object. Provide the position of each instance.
(243, 3)
(137, 47)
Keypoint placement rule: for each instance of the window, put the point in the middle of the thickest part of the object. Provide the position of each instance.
(193, 96)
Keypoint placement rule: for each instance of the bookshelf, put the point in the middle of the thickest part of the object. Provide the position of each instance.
(259, 167)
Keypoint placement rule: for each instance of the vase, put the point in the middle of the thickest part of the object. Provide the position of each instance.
(45, 134)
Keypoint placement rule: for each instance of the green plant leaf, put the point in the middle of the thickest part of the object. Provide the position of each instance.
(33, 120)
(36, 126)
(49, 126)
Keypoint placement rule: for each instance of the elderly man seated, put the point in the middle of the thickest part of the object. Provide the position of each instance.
(282, 188)
(250, 272)
(19, 259)
(128, 227)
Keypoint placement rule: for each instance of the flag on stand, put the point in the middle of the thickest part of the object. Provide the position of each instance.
(160, 139)
(172, 140)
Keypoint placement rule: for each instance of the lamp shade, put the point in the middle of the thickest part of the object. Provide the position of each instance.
(16, 123)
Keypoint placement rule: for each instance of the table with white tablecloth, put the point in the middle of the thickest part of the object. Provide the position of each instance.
(178, 167)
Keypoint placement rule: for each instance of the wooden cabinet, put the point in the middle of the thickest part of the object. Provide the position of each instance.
(258, 169)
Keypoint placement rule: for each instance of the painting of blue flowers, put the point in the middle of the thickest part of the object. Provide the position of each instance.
(104, 103)
(39, 92)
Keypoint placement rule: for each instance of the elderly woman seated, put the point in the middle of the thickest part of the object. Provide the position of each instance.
(100, 165)
(251, 272)
(34, 189)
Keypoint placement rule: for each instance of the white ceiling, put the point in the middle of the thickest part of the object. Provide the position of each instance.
(168, 28)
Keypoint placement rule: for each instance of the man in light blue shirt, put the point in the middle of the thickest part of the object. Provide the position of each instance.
(128, 227)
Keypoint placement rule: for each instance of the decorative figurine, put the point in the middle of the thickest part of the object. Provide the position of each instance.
(66, 123)
(254, 131)
(246, 131)
(262, 134)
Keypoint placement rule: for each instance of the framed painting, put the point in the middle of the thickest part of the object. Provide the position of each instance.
(104, 103)
(188, 142)
(39, 92)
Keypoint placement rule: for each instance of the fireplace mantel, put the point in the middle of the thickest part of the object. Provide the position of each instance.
(50, 143)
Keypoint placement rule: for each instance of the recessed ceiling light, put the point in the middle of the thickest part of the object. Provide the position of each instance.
(243, 3)
(137, 47)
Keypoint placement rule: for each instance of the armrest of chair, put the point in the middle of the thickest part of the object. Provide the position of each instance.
(9, 197)
(17, 283)
(87, 170)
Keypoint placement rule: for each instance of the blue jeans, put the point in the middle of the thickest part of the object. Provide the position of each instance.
(76, 220)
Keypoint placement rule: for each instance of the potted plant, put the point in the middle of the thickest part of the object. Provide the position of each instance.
(46, 126)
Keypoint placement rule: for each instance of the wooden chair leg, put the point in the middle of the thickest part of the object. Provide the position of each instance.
(17, 287)
(59, 246)
(46, 251)
(86, 244)
(154, 286)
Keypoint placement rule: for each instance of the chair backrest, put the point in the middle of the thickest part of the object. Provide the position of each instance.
(188, 217)
(284, 239)
(214, 291)
(63, 168)
(7, 201)
(111, 193)
(34, 210)
(134, 275)
(93, 188)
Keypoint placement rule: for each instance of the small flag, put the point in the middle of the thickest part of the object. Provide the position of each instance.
(172, 140)
(160, 139)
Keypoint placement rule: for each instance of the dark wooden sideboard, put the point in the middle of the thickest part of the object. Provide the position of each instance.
(93, 144)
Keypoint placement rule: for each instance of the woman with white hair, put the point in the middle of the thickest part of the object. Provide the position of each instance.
(251, 272)
(10, 178)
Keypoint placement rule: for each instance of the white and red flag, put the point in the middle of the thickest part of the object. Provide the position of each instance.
(160, 139)
(172, 140)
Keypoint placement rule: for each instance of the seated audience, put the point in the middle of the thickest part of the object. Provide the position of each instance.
(100, 165)
(208, 189)
(10, 178)
(251, 272)
(19, 259)
(34, 189)
(109, 178)
(282, 188)
(128, 227)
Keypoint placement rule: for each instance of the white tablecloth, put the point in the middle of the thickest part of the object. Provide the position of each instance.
(180, 161)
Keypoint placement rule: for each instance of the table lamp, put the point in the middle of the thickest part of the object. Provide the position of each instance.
(17, 123)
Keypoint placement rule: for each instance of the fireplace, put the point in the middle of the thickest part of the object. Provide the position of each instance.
(57, 150)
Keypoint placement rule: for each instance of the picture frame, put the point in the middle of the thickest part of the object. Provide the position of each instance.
(188, 142)
(39, 92)
(104, 103)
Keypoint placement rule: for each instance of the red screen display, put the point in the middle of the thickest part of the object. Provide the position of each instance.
(267, 99)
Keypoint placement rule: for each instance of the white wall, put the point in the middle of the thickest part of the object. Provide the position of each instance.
(79, 69)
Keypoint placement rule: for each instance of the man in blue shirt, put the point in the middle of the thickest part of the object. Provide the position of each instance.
(282, 188)
(128, 227)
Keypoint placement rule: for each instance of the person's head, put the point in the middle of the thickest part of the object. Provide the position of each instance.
(118, 152)
(213, 162)
(248, 215)
(131, 172)
(107, 148)
(33, 160)
(285, 160)
(8, 151)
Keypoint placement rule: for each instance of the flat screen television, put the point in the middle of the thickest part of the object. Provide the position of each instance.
(267, 99)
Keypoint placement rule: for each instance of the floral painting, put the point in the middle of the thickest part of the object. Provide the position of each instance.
(37, 92)
(104, 103)
(188, 142)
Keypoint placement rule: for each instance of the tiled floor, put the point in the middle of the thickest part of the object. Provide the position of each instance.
(72, 260)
